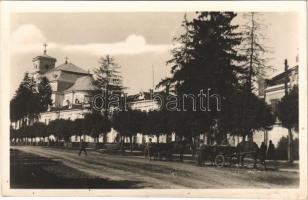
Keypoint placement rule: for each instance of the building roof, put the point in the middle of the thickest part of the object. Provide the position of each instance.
(70, 67)
(85, 83)
(142, 96)
(280, 78)
(44, 56)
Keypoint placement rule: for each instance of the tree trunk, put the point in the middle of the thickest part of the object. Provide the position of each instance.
(104, 138)
(243, 138)
(193, 145)
(251, 53)
(290, 145)
(131, 143)
(122, 143)
(157, 137)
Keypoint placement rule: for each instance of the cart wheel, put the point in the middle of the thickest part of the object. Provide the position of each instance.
(219, 160)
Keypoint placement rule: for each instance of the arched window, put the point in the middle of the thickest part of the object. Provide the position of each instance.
(68, 102)
(77, 101)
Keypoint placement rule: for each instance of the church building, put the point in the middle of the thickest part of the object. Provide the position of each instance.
(72, 88)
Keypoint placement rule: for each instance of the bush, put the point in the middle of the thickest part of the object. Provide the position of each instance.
(281, 152)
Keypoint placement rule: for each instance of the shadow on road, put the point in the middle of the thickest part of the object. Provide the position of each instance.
(30, 171)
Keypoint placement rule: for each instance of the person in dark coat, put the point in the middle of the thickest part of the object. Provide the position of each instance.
(271, 151)
(149, 147)
(263, 149)
(82, 147)
(200, 155)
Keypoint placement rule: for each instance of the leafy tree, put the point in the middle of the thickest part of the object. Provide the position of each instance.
(61, 129)
(96, 124)
(44, 93)
(128, 123)
(288, 115)
(16, 111)
(282, 152)
(258, 115)
(39, 130)
(13, 134)
(29, 132)
(156, 123)
(79, 126)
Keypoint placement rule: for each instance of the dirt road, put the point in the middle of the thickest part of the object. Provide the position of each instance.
(138, 172)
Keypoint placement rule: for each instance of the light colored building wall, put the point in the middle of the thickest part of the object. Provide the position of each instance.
(72, 114)
(275, 135)
(58, 99)
(111, 136)
(233, 140)
(144, 105)
(79, 96)
(73, 96)
(274, 93)
(54, 86)
(67, 99)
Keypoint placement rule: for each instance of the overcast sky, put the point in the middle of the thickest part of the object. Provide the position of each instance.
(138, 42)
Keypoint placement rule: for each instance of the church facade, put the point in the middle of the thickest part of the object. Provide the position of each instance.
(72, 88)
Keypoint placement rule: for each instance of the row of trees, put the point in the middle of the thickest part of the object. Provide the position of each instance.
(93, 125)
(126, 123)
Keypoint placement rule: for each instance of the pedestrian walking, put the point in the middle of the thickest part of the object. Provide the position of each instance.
(182, 144)
(263, 150)
(149, 146)
(271, 154)
(271, 151)
(200, 155)
(82, 147)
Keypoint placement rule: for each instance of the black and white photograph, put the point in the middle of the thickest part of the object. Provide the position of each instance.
(190, 98)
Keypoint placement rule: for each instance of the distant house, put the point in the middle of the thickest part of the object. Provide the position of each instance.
(144, 101)
(272, 90)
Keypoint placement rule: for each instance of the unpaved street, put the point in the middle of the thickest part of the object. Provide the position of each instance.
(137, 172)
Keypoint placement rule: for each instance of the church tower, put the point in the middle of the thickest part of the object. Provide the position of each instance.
(43, 63)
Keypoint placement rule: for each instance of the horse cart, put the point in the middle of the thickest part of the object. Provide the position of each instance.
(158, 151)
(221, 155)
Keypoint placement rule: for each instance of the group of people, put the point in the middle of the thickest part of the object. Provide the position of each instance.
(267, 153)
